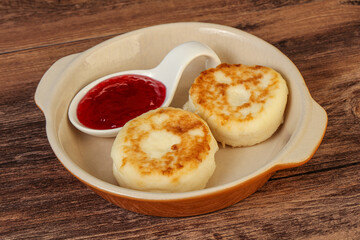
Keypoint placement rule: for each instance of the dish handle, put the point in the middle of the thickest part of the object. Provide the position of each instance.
(310, 139)
(49, 81)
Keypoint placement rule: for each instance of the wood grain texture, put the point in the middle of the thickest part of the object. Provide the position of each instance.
(319, 200)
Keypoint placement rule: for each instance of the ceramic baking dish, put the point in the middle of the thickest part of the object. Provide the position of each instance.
(239, 172)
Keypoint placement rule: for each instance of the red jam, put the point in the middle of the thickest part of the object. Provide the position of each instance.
(115, 101)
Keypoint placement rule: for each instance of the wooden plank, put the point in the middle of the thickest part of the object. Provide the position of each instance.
(54, 204)
(28, 24)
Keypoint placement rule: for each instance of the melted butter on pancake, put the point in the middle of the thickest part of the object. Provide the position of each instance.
(237, 95)
(220, 77)
(158, 143)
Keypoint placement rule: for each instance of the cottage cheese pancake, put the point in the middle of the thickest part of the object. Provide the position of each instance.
(164, 150)
(243, 105)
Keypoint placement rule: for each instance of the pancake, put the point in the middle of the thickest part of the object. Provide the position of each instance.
(243, 105)
(164, 150)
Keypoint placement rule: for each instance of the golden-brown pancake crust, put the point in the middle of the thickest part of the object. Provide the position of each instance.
(211, 94)
(187, 154)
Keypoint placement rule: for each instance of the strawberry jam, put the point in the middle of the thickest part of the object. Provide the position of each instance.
(115, 101)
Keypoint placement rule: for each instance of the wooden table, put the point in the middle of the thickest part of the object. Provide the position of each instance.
(319, 200)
